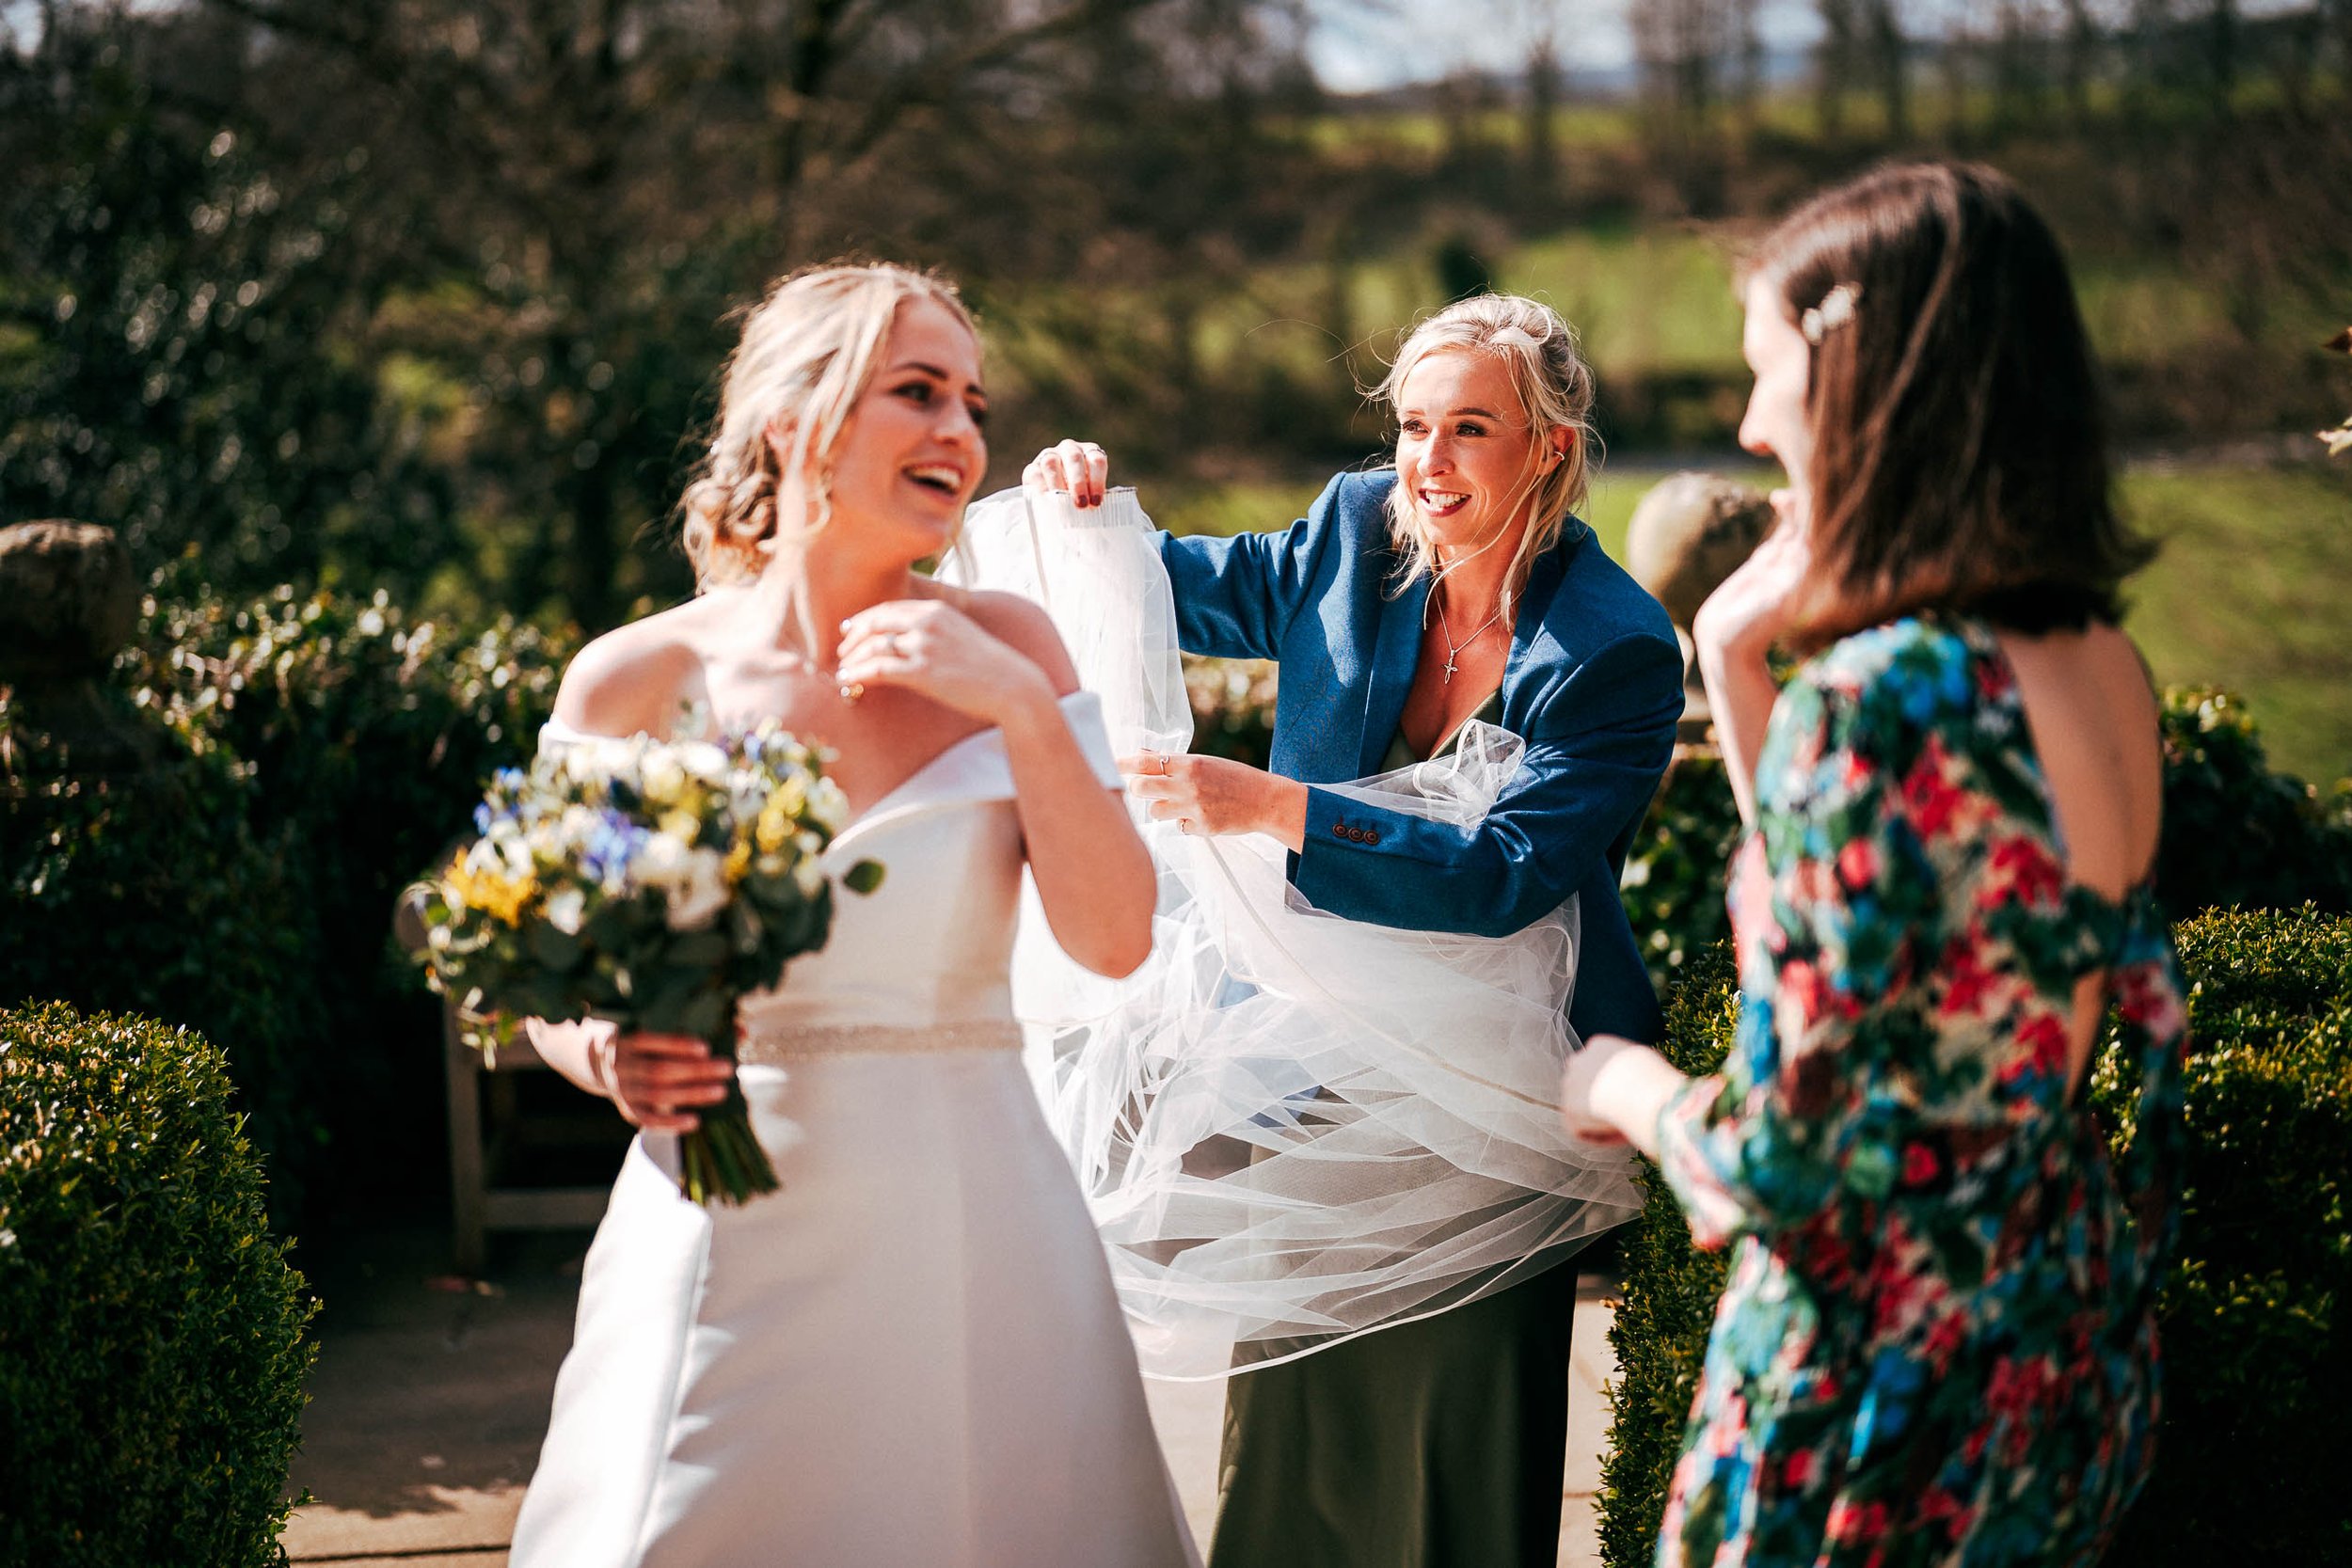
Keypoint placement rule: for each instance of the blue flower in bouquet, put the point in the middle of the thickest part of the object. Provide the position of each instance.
(610, 848)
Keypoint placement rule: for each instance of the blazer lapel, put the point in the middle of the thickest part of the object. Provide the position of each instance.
(1395, 652)
(1544, 577)
(1396, 645)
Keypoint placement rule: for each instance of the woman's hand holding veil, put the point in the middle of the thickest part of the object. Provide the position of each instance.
(1211, 795)
(1080, 467)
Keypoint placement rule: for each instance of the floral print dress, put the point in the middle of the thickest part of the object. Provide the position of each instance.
(1937, 1343)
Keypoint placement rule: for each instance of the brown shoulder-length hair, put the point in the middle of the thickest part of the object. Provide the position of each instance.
(1959, 445)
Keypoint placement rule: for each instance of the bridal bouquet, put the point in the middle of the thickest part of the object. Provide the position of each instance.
(651, 885)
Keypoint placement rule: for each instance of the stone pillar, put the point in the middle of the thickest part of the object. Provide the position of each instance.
(69, 601)
(1689, 533)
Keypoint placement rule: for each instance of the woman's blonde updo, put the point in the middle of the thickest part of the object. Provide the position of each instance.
(1555, 393)
(807, 353)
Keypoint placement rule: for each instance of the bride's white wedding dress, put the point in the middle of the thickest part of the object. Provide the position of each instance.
(910, 1355)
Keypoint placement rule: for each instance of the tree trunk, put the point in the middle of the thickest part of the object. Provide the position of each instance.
(1833, 67)
(2221, 52)
(2150, 70)
(1542, 129)
(1889, 65)
(1750, 43)
(2078, 56)
(2014, 88)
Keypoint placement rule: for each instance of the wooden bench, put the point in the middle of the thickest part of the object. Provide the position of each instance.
(480, 1139)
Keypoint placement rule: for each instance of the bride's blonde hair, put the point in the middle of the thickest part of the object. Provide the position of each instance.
(1554, 386)
(808, 351)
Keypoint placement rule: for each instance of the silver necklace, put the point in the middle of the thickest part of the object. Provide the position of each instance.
(1453, 649)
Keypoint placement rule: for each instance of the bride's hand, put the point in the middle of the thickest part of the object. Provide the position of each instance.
(1080, 467)
(932, 648)
(1750, 608)
(658, 1079)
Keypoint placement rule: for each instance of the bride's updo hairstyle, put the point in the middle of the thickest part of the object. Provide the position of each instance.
(1959, 455)
(1555, 393)
(808, 351)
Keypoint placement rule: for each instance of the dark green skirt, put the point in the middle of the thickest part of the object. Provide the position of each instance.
(1434, 1442)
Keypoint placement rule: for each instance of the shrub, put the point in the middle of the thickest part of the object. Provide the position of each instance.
(368, 739)
(1667, 1300)
(2257, 1319)
(365, 736)
(320, 751)
(151, 1347)
(1672, 885)
(150, 893)
(2257, 1354)
(2237, 835)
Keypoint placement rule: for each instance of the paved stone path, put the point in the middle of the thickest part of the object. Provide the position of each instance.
(431, 1395)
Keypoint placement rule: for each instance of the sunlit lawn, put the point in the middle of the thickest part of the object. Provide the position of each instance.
(2253, 591)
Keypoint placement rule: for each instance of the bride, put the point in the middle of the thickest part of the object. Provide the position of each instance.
(912, 1353)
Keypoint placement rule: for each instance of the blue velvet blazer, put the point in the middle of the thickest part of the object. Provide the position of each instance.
(1593, 684)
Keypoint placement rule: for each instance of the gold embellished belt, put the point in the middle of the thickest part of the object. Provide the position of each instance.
(784, 1045)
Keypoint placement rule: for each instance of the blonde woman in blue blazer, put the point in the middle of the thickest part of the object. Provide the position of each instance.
(1459, 585)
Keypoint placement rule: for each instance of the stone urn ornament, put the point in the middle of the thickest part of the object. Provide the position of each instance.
(1689, 533)
(69, 602)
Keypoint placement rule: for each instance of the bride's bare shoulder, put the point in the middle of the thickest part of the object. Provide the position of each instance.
(1019, 622)
(635, 677)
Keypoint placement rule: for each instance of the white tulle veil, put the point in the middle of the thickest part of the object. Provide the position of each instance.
(1293, 1128)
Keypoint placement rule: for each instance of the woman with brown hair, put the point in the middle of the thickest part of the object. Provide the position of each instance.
(1938, 1338)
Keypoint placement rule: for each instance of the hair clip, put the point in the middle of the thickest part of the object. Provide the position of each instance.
(1835, 310)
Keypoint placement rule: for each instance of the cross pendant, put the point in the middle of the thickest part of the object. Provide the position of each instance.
(1449, 667)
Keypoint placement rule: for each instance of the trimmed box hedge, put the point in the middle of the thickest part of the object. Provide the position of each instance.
(2256, 1318)
(151, 1343)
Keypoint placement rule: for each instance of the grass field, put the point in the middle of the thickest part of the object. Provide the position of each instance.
(2253, 591)
(1645, 300)
(1791, 113)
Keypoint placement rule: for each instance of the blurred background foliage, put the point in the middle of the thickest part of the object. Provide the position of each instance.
(428, 295)
(362, 322)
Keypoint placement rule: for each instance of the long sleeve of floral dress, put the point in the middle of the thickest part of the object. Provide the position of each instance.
(1936, 1343)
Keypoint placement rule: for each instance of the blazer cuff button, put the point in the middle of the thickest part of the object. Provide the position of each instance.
(1339, 830)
